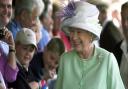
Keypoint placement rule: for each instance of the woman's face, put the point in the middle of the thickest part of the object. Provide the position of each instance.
(37, 30)
(80, 39)
(48, 21)
(29, 18)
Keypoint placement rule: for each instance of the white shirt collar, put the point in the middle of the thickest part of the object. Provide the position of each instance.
(21, 64)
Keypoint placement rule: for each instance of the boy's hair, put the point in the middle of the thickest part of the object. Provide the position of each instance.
(125, 5)
(56, 45)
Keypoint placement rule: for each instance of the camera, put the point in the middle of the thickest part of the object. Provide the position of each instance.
(2, 33)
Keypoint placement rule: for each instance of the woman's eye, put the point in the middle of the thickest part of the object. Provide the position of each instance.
(78, 32)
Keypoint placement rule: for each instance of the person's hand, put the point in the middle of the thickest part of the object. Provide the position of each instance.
(52, 73)
(8, 37)
(34, 85)
(49, 74)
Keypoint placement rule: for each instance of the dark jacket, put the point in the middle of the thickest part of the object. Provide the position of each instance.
(110, 36)
(118, 52)
(23, 78)
(37, 66)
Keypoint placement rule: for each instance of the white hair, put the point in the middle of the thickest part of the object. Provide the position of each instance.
(29, 5)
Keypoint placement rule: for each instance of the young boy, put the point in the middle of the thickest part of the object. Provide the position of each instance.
(25, 44)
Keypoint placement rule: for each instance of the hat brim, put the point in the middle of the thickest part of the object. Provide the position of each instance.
(29, 43)
(86, 27)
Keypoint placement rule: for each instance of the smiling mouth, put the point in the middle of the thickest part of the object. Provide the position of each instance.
(4, 16)
(76, 44)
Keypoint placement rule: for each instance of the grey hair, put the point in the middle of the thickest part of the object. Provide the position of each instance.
(29, 5)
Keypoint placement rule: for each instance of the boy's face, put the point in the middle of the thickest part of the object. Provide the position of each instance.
(24, 53)
(50, 59)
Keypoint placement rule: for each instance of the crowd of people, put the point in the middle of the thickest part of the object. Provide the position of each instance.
(45, 46)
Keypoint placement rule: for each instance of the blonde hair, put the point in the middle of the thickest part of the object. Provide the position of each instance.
(37, 30)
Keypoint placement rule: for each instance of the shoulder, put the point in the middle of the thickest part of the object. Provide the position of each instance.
(69, 54)
(104, 55)
(12, 25)
(102, 51)
(97, 52)
(68, 57)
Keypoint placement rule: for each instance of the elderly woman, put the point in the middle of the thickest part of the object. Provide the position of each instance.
(86, 66)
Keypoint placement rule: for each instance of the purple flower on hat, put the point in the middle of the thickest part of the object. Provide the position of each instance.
(68, 11)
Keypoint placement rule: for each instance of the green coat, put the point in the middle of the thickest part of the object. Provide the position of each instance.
(99, 72)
